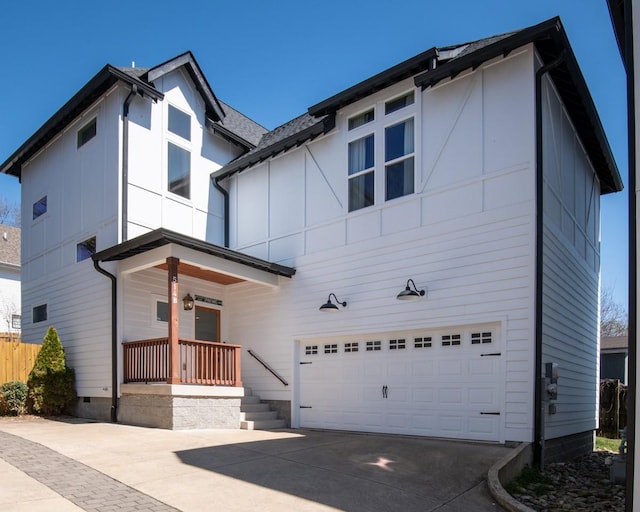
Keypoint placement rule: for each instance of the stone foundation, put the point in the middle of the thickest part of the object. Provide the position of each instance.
(180, 407)
(93, 408)
(566, 448)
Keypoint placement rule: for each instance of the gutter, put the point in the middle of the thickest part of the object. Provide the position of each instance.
(125, 160)
(225, 198)
(538, 445)
(114, 342)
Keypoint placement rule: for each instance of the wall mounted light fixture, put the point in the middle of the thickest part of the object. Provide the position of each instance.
(188, 302)
(330, 307)
(409, 294)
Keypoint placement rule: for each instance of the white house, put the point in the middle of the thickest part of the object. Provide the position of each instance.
(465, 179)
(10, 280)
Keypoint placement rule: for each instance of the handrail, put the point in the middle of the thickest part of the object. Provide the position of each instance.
(273, 372)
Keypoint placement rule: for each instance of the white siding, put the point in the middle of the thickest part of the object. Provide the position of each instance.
(466, 234)
(571, 271)
(9, 295)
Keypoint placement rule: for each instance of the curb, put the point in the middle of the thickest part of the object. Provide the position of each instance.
(510, 464)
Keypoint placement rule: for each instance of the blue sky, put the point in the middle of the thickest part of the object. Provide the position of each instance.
(272, 60)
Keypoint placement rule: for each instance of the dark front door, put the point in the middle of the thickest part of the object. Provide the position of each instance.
(207, 324)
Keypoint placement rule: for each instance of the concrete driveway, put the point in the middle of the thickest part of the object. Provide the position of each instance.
(236, 470)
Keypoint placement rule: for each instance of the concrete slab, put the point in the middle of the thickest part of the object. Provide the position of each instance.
(298, 470)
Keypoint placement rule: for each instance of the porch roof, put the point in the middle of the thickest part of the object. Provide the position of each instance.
(161, 237)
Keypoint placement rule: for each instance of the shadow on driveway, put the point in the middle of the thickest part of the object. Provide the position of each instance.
(357, 472)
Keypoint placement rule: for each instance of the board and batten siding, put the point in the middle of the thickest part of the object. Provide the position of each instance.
(571, 245)
(151, 205)
(466, 235)
(81, 186)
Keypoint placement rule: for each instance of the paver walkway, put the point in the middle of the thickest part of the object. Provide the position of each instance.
(84, 486)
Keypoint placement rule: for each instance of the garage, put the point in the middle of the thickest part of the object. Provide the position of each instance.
(442, 383)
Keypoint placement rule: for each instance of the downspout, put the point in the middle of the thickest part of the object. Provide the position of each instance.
(225, 197)
(632, 411)
(114, 343)
(538, 447)
(125, 161)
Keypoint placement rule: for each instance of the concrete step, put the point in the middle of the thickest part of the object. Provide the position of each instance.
(262, 424)
(250, 399)
(258, 416)
(254, 407)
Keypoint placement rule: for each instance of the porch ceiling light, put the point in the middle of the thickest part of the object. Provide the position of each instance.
(188, 302)
(409, 294)
(330, 307)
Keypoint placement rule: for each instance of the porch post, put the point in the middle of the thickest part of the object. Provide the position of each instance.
(174, 367)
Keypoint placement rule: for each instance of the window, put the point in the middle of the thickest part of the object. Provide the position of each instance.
(351, 347)
(374, 346)
(87, 132)
(449, 340)
(39, 313)
(398, 103)
(311, 350)
(478, 338)
(361, 119)
(16, 322)
(422, 342)
(162, 311)
(361, 163)
(39, 207)
(399, 157)
(331, 348)
(179, 170)
(397, 344)
(179, 123)
(86, 249)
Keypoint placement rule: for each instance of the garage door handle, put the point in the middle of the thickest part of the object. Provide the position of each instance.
(490, 354)
(491, 413)
(385, 390)
(306, 407)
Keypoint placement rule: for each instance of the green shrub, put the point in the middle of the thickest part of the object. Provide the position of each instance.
(51, 383)
(14, 395)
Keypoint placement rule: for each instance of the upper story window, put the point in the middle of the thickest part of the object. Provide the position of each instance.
(87, 132)
(179, 170)
(86, 249)
(179, 123)
(391, 138)
(39, 207)
(39, 313)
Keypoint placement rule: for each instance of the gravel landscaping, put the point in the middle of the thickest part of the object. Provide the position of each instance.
(582, 485)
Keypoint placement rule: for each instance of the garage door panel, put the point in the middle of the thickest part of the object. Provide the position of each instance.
(453, 396)
(423, 395)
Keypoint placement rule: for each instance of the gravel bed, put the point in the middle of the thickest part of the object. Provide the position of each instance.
(581, 485)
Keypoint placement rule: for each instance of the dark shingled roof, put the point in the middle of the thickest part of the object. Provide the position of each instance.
(240, 124)
(9, 245)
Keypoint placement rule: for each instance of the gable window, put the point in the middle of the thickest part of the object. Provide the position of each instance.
(162, 311)
(179, 170)
(399, 149)
(179, 123)
(86, 249)
(39, 207)
(39, 313)
(361, 119)
(361, 176)
(398, 103)
(87, 132)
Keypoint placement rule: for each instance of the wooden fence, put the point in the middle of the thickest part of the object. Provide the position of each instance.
(613, 408)
(17, 360)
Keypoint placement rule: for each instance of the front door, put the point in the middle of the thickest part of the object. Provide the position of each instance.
(207, 324)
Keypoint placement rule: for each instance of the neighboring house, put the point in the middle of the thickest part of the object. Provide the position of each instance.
(614, 355)
(624, 17)
(466, 179)
(9, 280)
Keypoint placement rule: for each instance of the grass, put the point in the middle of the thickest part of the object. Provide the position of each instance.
(604, 443)
(530, 480)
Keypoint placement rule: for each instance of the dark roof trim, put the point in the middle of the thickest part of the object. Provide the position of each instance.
(213, 108)
(322, 127)
(550, 40)
(92, 90)
(616, 11)
(161, 237)
(376, 83)
(228, 135)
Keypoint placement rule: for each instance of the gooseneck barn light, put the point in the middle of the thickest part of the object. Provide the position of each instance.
(330, 307)
(409, 294)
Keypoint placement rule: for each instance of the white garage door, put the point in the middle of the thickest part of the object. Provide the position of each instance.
(445, 383)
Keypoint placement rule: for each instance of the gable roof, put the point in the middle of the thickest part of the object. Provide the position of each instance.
(227, 122)
(437, 64)
(9, 245)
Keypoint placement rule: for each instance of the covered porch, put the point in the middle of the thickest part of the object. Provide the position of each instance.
(174, 375)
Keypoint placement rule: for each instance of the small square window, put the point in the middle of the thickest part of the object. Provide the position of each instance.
(311, 350)
(39, 207)
(331, 348)
(373, 346)
(351, 347)
(449, 340)
(478, 338)
(179, 123)
(162, 311)
(422, 342)
(397, 344)
(398, 103)
(16, 322)
(361, 119)
(86, 249)
(40, 313)
(87, 132)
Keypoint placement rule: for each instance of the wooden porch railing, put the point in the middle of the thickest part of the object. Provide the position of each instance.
(199, 362)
